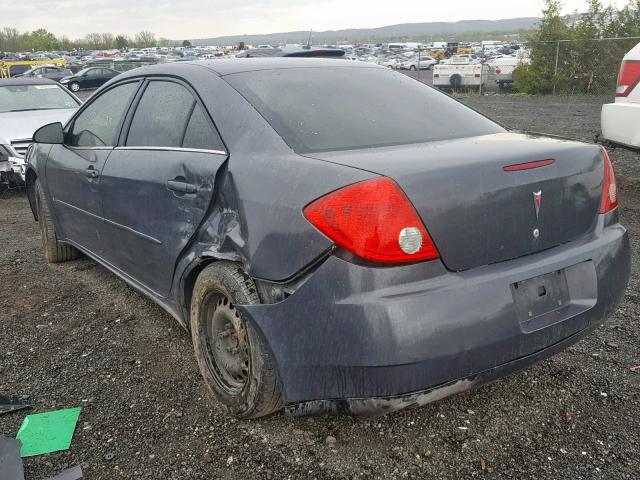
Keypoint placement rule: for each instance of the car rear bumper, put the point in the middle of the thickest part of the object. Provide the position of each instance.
(621, 123)
(418, 333)
(383, 405)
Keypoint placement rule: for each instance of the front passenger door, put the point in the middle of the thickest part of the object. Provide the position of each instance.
(158, 186)
(73, 169)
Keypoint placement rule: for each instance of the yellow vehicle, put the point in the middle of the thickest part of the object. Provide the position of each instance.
(464, 51)
(437, 54)
(5, 67)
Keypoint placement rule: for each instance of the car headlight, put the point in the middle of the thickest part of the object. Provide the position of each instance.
(64, 80)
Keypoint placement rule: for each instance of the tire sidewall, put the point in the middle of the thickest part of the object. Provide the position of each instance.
(74, 87)
(42, 217)
(217, 280)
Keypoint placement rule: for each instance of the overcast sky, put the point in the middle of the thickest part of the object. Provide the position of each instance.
(180, 19)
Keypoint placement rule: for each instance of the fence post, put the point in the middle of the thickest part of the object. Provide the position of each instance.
(555, 73)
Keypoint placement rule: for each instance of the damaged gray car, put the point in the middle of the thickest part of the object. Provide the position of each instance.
(336, 236)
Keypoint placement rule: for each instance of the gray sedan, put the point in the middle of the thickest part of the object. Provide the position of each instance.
(52, 72)
(336, 236)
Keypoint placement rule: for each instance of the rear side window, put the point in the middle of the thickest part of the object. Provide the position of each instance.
(200, 134)
(169, 116)
(162, 115)
(97, 125)
(339, 108)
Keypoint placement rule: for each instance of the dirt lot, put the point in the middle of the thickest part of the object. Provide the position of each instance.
(74, 335)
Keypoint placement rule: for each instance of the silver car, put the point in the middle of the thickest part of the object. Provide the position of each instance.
(26, 104)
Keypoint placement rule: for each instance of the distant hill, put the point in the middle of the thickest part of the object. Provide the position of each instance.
(400, 32)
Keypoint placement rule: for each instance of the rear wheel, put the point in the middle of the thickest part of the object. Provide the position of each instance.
(412, 68)
(54, 251)
(236, 365)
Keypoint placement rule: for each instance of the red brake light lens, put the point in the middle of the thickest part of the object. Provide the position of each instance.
(609, 199)
(628, 77)
(375, 220)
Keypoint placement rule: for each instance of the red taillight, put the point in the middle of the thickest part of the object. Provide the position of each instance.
(498, 71)
(628, 77)
(374, 220)
(477, 75)
(609, 199)
(436, 75)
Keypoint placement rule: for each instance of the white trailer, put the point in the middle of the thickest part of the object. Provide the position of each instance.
(459, 72)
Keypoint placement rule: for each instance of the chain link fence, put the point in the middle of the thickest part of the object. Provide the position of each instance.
(574, 67)
(563, 68)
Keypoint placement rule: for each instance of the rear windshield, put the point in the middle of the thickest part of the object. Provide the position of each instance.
(341, 108)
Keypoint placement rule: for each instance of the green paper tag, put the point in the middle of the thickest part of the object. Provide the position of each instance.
(47, 432)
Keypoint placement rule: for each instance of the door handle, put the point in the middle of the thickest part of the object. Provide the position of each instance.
(91, 172)
(180, 186)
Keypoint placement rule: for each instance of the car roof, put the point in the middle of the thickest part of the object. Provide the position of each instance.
(11, 82)
(238, 65)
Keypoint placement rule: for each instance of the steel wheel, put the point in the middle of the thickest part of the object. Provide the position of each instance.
(74, 87)
(234, 360)
(227, 349)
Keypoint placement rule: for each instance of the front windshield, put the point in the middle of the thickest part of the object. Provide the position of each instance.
(18, 98)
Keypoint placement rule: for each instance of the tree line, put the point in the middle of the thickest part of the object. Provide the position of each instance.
(12, 40)
(579, 53)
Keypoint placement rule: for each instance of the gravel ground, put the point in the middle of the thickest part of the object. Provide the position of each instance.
(75, 335)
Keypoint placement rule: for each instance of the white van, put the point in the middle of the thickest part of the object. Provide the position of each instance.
(620, 121)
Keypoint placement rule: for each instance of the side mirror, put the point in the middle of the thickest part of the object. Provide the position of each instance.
(51, 133)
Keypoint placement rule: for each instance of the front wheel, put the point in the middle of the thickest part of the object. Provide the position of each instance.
(74, 86)
(235, 362)
(412, 68)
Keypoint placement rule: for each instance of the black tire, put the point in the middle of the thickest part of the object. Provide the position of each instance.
(54, 251)
(74, 86)
(246, 381)
(413, 68)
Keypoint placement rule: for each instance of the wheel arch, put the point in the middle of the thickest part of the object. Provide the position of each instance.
(188, 282)
(268, 292)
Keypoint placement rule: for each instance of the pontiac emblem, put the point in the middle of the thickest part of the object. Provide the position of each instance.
(537, 201)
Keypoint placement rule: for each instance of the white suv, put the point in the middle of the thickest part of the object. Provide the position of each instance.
(621, 120)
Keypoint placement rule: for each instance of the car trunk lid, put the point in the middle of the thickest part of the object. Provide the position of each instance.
(480, 213)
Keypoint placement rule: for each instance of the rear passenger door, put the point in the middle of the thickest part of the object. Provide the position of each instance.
(158, 184)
